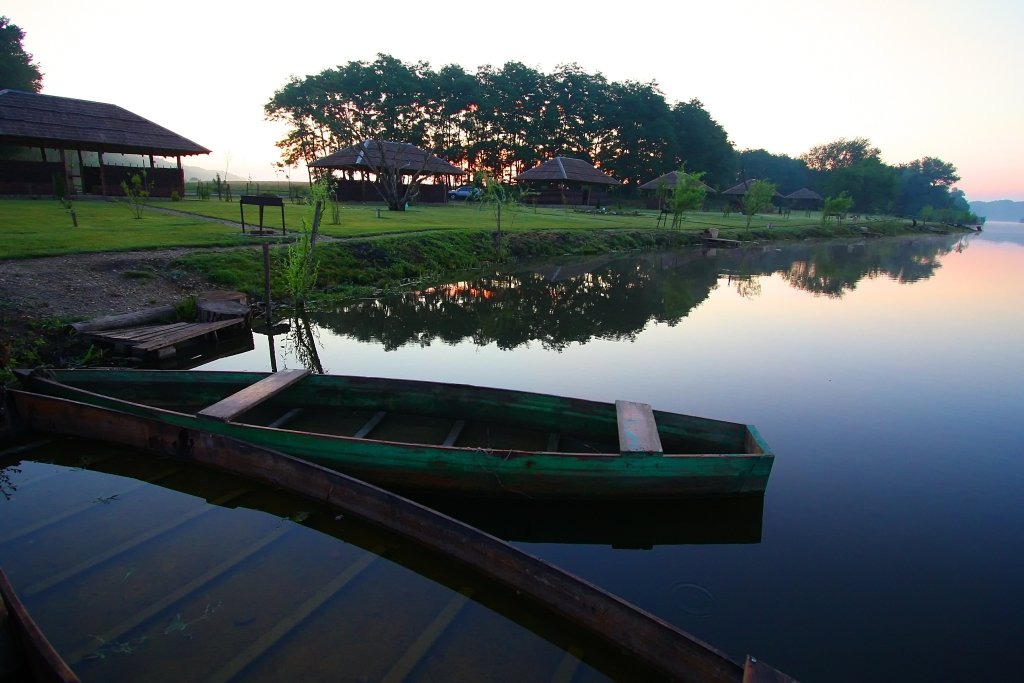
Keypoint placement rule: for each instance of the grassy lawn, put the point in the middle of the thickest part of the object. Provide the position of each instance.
(43, 228)
(361, 220)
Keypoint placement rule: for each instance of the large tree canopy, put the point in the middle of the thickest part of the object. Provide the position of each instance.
(501, 120)
(18, 71)
(841, 153)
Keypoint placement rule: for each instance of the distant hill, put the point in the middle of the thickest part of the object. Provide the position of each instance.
(1000, 210)
(206, 174)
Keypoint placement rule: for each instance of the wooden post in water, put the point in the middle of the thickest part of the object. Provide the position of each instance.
(266, 280)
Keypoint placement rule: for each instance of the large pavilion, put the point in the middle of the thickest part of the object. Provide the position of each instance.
(405, 163)
(805, 199)
(568, 181)
(50, 143)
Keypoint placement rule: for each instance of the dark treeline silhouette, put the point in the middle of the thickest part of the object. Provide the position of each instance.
(509, 119)
(614, 298)
(501, 120)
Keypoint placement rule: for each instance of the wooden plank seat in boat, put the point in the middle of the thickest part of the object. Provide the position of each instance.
(234, 405)
(638, 433)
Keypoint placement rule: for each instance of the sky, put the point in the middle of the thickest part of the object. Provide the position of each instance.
(918, 78)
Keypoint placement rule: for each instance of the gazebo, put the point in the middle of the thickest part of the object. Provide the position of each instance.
(805, 199)
(665, 182)
(395, 166)
(60, 139)
(567, 181)
(737, 192)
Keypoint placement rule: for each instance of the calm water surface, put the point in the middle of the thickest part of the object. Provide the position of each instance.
(886, 375)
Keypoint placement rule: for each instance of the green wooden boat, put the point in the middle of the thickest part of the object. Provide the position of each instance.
(627, 642)
(449, 439)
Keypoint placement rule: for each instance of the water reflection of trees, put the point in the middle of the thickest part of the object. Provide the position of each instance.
(835, 269)
(615, 298)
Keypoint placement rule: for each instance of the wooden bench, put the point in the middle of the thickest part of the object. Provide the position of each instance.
(638, 433)
(234, 405)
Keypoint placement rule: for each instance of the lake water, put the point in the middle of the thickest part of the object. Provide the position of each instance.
(886, 374)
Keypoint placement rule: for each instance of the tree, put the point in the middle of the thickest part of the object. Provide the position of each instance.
(700, 142)
(17, 70)
(391, 163)
(640, 127)
(837, 206)
(873, 184)
(790, 174)
(687, 195)
(758, 198)
(841, 153)
(926, 181)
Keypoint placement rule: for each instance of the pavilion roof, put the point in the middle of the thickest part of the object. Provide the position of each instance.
(369, 155)
(805, 193)
(667, 181)
(742, 188)
(36, 120)
(567, 168)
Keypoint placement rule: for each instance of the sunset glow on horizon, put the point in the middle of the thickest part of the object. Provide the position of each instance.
(916, 78)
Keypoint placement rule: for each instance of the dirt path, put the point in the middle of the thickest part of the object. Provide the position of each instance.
(89, 285)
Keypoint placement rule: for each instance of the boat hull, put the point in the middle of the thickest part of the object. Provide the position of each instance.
(721, 458)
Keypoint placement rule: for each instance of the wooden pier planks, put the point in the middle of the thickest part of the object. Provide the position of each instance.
(160, 340)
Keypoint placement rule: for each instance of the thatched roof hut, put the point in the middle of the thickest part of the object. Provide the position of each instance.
(804, 198)
(371, 156)
(668, 181)
(567, 169)
(34, 120)
(397, 169)
(741, 189)
(805, 194)
(567, 181)
(37, 123)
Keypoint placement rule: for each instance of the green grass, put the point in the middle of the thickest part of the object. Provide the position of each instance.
(43, 228)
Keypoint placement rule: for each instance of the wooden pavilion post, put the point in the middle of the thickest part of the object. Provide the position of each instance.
(181, 177)
(68, 183)
(103, 176)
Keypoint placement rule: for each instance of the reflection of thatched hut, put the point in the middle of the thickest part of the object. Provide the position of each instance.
(59, 144)
(378, 157)
(662, 185)
(567, 181)
(804, 199)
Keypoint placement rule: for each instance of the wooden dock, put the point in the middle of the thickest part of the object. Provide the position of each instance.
(163, 341)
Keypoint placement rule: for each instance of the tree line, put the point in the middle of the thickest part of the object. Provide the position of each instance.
(509, 119)
(506, 120)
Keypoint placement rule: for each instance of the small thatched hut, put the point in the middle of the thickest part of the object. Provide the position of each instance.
(804, 199)
(565, 180)
(56, 144)
(391, 163)
(664, 183)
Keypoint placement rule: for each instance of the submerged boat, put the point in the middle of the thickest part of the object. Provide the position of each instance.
(449, 439)
(653, 648)
(25, 653)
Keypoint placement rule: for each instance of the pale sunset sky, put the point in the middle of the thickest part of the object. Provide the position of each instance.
(917, 78)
